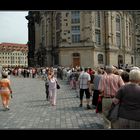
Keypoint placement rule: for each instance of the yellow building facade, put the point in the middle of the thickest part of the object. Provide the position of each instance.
(13, 55)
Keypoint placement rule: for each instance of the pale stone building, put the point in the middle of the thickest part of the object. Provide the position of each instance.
(137, 34)
(83, 38)
(13, 55)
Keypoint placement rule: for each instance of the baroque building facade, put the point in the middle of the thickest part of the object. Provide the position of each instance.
(82, 38)
(13, 55)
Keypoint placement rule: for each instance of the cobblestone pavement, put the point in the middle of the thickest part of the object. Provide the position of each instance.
(30, 110)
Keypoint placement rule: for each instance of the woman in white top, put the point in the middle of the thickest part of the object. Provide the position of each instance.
(52, 88)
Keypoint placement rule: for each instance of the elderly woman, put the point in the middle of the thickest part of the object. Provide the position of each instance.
(5, 90)
(129, 98)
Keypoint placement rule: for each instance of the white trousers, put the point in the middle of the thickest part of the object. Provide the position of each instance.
(52, 95)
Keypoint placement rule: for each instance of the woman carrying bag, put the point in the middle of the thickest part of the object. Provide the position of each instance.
(52, 88)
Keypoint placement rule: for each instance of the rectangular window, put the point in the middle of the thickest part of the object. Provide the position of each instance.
(97, 19)
(75, 38)
(75, 20)
(75, 17)
(117, 24)
(75, 29)
(129, 28)
(58, 21)
(118, 40)
(57, 38)
(43, 25)
(130, 42)
(98, 37)
(67, 14)
(131, 60)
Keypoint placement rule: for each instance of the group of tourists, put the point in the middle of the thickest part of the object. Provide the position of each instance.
(111, 85)
(102, 86)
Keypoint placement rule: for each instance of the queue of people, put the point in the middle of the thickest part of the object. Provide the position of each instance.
(111, 84)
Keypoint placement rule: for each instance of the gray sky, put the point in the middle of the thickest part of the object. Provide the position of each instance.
(13, 27)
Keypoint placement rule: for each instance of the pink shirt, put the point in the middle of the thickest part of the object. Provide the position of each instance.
(109, 84)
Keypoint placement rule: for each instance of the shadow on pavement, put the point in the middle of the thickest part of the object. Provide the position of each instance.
(30, 101)
(75, 108)
(32, 106)
(93, 126)
(61, 98)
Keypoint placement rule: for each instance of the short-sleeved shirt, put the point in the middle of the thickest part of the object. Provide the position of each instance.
(109, 84)
(129, 96)
(96, 80)
(84, 78)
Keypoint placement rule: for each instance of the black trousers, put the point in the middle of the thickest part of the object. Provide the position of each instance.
(86, 92)
(95, 97)
(47, 91)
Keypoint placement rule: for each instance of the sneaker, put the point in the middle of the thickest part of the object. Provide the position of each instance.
(80, 105)
(88, 107)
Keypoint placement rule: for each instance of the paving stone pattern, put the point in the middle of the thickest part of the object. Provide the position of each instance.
(29, 108)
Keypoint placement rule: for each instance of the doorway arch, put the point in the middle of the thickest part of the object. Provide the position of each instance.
(76, 59)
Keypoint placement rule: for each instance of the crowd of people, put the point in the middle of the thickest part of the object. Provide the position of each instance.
(109, 83)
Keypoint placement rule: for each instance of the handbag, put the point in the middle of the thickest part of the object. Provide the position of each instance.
(113, 113)
(57, 85)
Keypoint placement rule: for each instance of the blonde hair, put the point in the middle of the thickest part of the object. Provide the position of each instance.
(134, 75)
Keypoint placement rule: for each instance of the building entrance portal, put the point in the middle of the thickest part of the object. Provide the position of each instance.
(76, 59)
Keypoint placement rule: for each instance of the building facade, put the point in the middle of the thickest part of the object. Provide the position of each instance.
(13, 55)
(82, 38)
(137, 37)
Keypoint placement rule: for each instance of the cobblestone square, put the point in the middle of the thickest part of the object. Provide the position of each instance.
(29, 108)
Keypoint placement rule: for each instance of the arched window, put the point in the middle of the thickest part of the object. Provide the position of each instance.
(120, 60)
(98, 28)
(118, 31)
(100, 59)
(118, 23)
